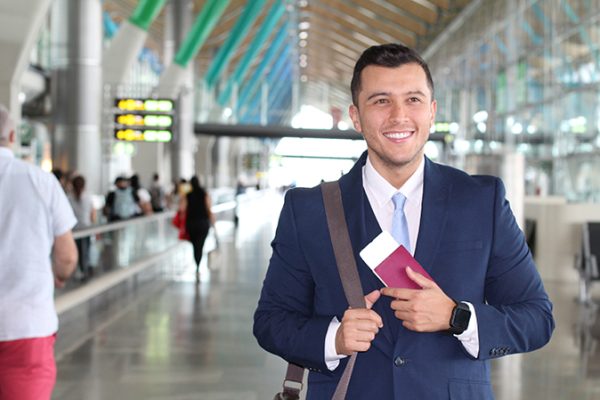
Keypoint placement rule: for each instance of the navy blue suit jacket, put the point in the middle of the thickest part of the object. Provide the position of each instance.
(469, 243)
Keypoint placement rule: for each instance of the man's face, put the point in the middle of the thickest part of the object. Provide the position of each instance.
(394, 114)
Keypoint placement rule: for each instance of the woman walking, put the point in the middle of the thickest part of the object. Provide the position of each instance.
(198, 220)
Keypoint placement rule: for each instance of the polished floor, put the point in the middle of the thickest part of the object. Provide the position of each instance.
(168, 337)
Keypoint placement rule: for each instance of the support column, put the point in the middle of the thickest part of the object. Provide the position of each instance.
(224, 162)
(77, 42)
(183, 146)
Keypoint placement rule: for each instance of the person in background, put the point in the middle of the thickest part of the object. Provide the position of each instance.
(122, 202)
(184, 187)
(177, 197)
(37, 252)
(143, 196)
(63, 178)
(173, 196)
(84, 210)
(157, 194)
(199, 219)
(486, 299)
(239, 190)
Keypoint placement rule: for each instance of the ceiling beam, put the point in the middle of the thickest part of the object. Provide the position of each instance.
(334, 74)
(332, 63)
(272, 131)
(326, 25)
(422, 9)
(351, 23)
(339, 54)
(370, 20)
(444, 4)
(394, 14)
(224, 26)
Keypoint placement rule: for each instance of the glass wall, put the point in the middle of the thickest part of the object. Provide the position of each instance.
(524, 76)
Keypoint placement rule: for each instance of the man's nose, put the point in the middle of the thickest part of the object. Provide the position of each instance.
(398, 113)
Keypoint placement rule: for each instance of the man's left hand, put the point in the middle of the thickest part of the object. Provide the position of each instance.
(421, 310)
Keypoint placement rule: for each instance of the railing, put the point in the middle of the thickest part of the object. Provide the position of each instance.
(114, 226)
(123, 248)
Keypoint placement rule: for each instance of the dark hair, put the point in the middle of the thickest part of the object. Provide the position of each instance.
(78, 186)
(386, 55)
(134, 181)
(58, 173)
(195, 183)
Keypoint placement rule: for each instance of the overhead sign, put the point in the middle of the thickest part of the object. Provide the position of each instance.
(144, 120)
(143, 135)
(149, 105)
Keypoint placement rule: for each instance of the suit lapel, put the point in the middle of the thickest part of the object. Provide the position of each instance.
(363, 228)
(362, 225)
(434, 209)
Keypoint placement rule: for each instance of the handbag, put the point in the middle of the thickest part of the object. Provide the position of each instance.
(344, 258)
(179, 222)
(214, 255)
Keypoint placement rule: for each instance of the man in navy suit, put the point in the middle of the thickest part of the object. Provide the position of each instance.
(486, 299)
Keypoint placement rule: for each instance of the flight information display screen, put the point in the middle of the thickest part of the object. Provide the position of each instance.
(144, 120)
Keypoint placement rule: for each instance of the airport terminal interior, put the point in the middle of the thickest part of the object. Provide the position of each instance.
(252, 97)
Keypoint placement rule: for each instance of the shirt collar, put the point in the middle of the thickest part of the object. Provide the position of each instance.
(6, 152)
(413, 187)
(383, 190)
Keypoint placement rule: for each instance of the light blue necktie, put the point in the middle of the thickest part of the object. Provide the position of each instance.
(399, 224)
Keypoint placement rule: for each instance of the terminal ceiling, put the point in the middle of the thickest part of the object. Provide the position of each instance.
(337, 32)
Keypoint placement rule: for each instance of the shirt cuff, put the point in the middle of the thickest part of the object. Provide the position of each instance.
(470, 337)
(332, 358)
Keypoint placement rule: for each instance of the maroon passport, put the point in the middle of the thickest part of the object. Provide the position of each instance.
(388, 260)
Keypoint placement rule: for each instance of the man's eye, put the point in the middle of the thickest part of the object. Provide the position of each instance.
(414, 100)
(381, 101)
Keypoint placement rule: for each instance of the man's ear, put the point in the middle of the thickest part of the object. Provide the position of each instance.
(353, 112)
(11, 137)
(433, 111)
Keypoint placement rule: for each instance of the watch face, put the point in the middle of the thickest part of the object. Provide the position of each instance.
(461, 318)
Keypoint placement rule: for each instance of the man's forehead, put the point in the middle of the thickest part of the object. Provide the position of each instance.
(411, 70)
(411, 77)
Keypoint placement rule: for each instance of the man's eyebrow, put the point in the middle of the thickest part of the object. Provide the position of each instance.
(377, 94)
(411, 92)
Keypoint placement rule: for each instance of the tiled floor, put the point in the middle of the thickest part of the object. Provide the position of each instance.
(176, 339)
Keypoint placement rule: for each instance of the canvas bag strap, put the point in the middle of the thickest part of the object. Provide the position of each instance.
(342, 247)
(344, 257)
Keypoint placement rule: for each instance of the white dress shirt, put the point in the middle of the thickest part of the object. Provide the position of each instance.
(379, 193)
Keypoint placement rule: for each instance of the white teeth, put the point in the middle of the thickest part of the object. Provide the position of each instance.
(397, 135)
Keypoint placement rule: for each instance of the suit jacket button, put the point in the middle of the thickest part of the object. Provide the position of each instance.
(399, 362)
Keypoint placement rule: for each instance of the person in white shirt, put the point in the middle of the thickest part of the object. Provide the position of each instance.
(37, 252)
(143, 196)
(84, 210)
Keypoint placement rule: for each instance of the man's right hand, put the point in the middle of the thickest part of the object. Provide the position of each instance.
(358, 327)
